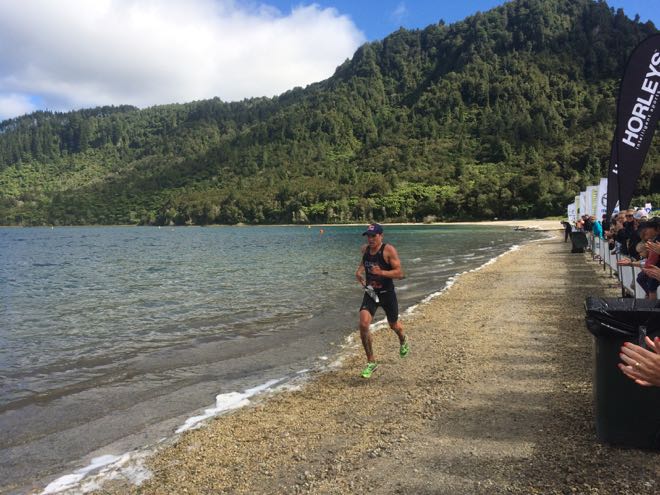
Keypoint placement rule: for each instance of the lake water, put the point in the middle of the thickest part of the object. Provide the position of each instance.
(112, 337)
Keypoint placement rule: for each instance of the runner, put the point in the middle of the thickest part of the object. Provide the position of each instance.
(379, 267)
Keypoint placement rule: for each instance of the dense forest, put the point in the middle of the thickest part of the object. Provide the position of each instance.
(506, 114)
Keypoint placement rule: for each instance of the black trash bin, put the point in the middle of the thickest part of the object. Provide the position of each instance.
(579, 242)
(627, 414)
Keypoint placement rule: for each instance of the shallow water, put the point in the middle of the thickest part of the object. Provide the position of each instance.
(111, 337)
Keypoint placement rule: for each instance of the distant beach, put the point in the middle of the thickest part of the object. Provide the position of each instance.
(526, 224)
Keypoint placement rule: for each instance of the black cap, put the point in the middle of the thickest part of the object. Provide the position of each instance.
(374, 228)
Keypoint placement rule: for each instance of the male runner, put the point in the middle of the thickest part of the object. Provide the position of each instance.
(379, 266)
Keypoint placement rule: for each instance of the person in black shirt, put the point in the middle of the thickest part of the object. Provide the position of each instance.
(379, 266)
(605, 223)
(624, 234)
(567, 230)
(649, 278)
(633, 240)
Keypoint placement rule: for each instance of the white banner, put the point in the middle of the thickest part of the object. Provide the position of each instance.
(594, 203)
(592, 197)
(583, 203)
(577, 206)
(586, 201)
(602, 199)
(572, 218)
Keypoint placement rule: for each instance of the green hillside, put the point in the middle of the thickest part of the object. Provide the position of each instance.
(509, 113)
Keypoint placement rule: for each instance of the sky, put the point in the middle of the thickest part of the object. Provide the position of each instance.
(70, 54)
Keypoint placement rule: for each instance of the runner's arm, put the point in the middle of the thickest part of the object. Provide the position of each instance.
(392, 257)
(360, 273)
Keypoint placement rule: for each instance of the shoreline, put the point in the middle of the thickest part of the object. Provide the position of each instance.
(59, 450)
(105, 465)
(456, 417)
(540, 224)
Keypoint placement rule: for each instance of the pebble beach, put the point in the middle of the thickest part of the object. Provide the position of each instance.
(495, 397)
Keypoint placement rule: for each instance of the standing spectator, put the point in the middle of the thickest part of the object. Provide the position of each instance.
(596, 228)
(615, 231)
(635, 237)
(605, 223)
(610, 233)
(624, 234)
(649, 279)
(567, 230)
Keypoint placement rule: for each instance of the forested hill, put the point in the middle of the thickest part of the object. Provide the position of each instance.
(509, 113)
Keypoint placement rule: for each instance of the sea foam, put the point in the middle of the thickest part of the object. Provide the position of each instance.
(130, 466)
(227, 402)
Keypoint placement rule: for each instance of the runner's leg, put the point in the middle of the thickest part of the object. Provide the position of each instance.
(365, 335)
(398, 330)
(390, 304)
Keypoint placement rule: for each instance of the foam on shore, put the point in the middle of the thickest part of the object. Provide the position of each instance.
(129, 467)
(226, 402)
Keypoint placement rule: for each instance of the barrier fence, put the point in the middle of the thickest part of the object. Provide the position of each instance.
(627, 275)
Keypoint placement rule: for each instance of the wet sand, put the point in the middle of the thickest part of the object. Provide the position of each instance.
(496, 397)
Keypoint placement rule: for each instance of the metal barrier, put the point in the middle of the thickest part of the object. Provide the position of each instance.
(627, 279)
(627, 275)
(639, 292)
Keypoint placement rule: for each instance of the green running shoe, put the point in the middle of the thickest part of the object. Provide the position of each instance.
(368, 371)
(404, 349)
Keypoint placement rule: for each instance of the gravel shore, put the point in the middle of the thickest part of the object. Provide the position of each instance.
(496, 397)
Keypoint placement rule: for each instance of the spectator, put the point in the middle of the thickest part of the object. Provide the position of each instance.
(653, 246)
(611, 232)
(652, 272)
(567, 230)
(640, 215)
(597, 228)
(649, 279)
(642, 365)
(605, 223)
(615, 231)
(642, 254)
(624, 234)
(635, 238)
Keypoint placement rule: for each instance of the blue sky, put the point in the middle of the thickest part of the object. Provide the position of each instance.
(378, 18)
(73, 54)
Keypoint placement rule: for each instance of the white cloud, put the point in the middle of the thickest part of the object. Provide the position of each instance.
(400, 12)
(81, 53)
(12, 104)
